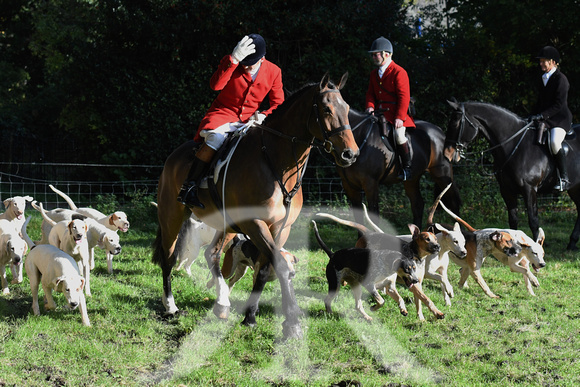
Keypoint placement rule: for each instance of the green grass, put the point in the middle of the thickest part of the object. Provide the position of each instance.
(514, 340)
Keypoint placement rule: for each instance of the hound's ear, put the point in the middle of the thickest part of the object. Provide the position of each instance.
(541, 237)
(454, 104)
(414, 230)
(7, 202)
(82, 283)
(456, 227)
(28, 198)
(495, 236)
(56, 282)
(522, 241)
(342, 81)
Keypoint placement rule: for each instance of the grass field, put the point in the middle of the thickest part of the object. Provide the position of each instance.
(514, 340)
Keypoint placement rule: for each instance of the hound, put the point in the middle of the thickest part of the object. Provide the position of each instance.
(117, 221)
(421, 245)
(110, 244)
(243, 254)
(71, 237)
(480, 244)
(532, 254)
(104, 238)
(12, 251)
(192, 237)
(15, 207)
(55, 270)
(361, 266)
(436, 265)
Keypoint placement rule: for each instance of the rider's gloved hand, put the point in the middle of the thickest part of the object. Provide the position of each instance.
(370, 110)
(244, 48)
(536, 117)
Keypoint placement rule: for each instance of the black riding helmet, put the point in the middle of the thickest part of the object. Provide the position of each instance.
(381, 44)
(260, 44)
(549, 52)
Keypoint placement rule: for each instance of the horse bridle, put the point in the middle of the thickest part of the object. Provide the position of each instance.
(327, 144)
(458, 144)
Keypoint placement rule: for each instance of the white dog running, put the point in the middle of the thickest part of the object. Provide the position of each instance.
(15, 207)
(12, 250)
(58, 271)
(117, 221)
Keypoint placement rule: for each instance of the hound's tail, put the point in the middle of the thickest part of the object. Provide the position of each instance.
(368, 219)
(72, 205)
(435, 204)
(358, 226)
(320, 241)
(457, 218)
(25, 236)
(39, 208)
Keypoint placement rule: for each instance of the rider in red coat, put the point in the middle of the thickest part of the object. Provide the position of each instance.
(245, 79)
(389, 93)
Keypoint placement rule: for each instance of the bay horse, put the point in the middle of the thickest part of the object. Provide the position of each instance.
(521, 167)
(261, 193)
(377, 164)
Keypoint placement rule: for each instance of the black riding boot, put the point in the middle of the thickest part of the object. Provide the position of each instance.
(562, 168)
(405, 156)
(188, 193)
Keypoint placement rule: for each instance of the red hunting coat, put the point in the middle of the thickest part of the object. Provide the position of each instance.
(240, 98)
(390, 93)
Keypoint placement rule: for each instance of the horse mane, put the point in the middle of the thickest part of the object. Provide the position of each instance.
(292, 97)
(506, 111)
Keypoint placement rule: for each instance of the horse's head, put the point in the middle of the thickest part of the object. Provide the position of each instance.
(462, 129)
(333, 126)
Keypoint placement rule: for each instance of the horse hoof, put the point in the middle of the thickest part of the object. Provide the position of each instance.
(291, 331)
(249, 322)
(221, 311)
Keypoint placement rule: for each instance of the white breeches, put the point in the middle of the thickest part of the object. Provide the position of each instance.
(400, 137)
(557, 135)
(215, 138)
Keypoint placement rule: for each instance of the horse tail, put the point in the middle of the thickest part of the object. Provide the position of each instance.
(435, 204)
(457, 218)
(321, 242)
(358, 226)
(158, 252)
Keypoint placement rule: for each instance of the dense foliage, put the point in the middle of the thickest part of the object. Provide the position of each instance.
(125, 81)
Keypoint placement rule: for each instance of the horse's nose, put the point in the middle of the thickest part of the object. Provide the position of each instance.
(349, 156)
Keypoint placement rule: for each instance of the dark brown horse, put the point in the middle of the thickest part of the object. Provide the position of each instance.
(521, 167)
(377, 165)
(262, 195)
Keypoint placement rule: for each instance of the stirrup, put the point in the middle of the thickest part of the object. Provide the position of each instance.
(563, 185)
(188, 196)
(405, 174)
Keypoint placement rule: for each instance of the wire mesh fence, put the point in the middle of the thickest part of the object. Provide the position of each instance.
(85, 184)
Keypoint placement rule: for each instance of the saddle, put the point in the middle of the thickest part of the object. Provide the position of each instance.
(387, 132)
(542, 133)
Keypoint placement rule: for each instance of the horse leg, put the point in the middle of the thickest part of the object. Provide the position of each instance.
(413, 192)
(170, 220)
(213, 254)
(531, 201)
(575, 196)
(510, 198)
(260, 279)
(260, 235)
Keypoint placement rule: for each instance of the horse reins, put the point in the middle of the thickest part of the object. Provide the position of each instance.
(459, 145)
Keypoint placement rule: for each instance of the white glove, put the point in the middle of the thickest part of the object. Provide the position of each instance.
(260, 118)
(244, 48)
